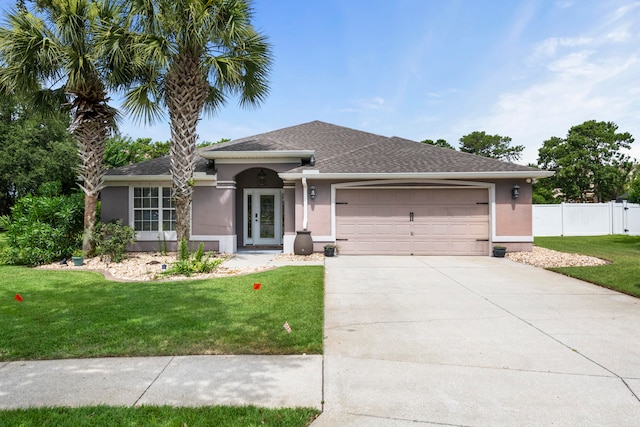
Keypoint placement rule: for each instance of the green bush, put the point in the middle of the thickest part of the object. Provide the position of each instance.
(112, 239)
(42, 229)
(200, 263)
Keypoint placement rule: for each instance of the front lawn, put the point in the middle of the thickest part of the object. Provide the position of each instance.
(96, 416)
(80, 314)
(623, 274)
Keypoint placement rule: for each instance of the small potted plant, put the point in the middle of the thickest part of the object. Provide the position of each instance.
(499, 251)
(330, 249)
(78, 257)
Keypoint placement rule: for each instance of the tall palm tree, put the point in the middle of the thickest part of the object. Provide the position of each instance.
(192, 55)
(51, 54)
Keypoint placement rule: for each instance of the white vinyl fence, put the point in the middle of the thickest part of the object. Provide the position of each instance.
(586, 219)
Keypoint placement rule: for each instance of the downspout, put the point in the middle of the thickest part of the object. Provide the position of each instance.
(304, 203)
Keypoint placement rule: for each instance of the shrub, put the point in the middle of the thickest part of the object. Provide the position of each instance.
(183, 250)
(42, 229)
(200, 263)
(112, 239)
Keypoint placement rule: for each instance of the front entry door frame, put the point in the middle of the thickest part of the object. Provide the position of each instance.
(262, 213)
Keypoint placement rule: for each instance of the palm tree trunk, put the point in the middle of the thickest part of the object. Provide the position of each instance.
(185, 105)
(90, 135)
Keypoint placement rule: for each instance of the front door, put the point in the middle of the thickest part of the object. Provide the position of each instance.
(263, 216)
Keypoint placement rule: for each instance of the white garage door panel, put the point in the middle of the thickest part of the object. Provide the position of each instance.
(445, 222)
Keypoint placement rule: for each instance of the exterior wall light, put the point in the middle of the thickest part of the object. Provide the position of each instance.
(515, 192)
(312, 192)
(262, 178)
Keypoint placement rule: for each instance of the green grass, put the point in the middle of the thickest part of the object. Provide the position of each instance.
(97, 416)
(623, 274)
(80, 314)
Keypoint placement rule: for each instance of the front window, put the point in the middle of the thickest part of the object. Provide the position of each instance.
(153, 209)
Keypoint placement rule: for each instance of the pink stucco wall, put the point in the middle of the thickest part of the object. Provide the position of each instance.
(213, 211)
(513, 216)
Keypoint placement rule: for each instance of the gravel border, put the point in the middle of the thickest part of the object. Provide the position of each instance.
(147, 266)
(547, 258)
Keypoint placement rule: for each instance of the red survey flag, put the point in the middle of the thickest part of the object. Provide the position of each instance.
(256, 286)
(18, 298)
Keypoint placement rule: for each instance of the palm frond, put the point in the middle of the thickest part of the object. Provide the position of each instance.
(144, 102)
(215, 100)
(49, 102)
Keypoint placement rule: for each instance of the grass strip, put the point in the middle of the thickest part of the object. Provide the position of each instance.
(623, 274)
(107, 416)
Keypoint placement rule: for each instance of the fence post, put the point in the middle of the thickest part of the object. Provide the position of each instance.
(562, 219)
(611, 211)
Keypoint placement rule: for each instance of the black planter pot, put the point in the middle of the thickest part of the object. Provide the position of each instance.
(499, 252)
(329, 251)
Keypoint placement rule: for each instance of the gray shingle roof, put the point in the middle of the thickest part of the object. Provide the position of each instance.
(159, 166)
(342, 150)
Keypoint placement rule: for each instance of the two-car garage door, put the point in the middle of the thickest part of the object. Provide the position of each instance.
(413, 221)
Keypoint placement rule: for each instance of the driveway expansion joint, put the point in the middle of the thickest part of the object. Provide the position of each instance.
(154, 380)
(378, 417)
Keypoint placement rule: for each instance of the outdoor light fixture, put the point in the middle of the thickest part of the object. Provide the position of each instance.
(262, 178)
(515, 192)
(312, 192)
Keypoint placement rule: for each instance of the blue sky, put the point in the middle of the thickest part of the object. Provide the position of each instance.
(429, 69)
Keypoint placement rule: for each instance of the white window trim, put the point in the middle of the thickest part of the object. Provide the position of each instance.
(146, 236)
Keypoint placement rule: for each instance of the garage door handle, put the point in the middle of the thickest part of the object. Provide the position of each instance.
(482, 240)
(410, 216)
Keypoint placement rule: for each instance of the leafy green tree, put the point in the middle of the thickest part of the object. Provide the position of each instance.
(192, 55)
(51, 53)
(439, 143)
(33, 151)
(493, 146)
(122, 151)
(589, 163)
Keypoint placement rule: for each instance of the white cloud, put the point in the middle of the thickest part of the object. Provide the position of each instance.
(549, 48)
(563, 4)
(623, 11)
(374, 103)
(363, 105)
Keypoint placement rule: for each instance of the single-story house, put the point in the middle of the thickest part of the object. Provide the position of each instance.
(367, 193)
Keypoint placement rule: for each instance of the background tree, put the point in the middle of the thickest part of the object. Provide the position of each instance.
(123, 150)
(494, 146)
(192, 55)
(33, 152)
(439, 143)
(589, 163)
(51, 53)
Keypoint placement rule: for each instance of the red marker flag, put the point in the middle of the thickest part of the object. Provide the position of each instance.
(256, 286)
(18, 298)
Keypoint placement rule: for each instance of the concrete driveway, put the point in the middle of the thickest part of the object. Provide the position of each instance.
(475, 341)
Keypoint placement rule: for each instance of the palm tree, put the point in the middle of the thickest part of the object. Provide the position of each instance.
(51, 54)
(192, 55)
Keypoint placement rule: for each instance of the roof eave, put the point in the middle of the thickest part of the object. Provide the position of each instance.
(198, 176)
(267, 154)
(418, 175)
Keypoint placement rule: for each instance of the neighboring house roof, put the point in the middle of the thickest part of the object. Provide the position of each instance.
(340, 151)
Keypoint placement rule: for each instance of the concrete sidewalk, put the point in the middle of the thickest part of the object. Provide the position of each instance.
(269, 381)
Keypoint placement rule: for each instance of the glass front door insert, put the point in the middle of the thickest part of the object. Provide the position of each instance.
(263, 216)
